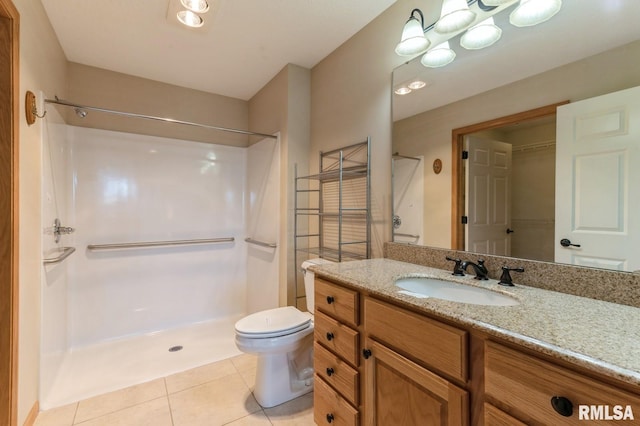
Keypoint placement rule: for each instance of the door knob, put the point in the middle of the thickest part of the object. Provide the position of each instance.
(510, 231)
(567, 243)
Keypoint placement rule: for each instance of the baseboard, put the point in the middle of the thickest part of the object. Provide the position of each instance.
(33, 414)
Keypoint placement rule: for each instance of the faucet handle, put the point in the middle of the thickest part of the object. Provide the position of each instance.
(457, 268)
(505, 278)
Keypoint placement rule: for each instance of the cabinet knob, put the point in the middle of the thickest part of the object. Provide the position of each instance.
(330, 336)
(330, 299)
(562, 405)
(366, 353)
(329, 418)
(330, 371)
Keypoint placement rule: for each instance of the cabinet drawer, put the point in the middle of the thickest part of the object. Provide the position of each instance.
(341, 339)
(526, 385)
(442, 347)
(496, 417)
(339, 302)
(337, 373)
(329, 407)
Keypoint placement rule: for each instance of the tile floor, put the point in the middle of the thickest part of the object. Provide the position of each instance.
(214, 394)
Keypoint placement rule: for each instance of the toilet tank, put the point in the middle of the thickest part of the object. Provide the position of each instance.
(308, 279)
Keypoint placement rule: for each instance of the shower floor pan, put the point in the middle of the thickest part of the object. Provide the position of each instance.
(105, 367)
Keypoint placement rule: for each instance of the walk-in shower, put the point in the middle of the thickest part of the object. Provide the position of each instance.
(160, 256)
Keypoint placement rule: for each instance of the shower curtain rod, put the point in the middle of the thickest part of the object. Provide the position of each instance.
(151, 117)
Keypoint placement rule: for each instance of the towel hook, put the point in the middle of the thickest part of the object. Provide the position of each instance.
(31, 110)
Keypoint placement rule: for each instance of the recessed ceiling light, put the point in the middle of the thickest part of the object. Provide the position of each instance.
(196, 6)
(417, 84)
(190, 19)
(402, 90)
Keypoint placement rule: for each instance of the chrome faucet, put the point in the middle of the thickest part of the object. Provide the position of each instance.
(478, 268)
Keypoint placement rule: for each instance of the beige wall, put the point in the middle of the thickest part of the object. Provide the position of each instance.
(597, 75)
(42, 67)
(351, 99)
(107, 89)
(282, 105)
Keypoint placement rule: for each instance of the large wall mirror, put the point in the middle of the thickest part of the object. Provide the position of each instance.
(507, 95)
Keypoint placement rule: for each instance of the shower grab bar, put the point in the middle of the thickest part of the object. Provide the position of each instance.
(260, 243)
(399, 234)
(66, 252)
(159, 243)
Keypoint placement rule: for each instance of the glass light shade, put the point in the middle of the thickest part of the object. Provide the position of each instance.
(534, 12)
(190, 19)
(417, 84)
(455, 16)
(413, 42)
(196, 6)
(439, 56)
(495, 2)
(402, 90)
(481, 35)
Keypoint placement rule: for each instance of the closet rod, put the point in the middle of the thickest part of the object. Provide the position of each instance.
(151, 117)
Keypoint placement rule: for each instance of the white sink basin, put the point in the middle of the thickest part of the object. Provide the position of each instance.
(447, 290)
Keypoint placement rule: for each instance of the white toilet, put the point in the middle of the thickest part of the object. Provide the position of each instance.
(283, 340)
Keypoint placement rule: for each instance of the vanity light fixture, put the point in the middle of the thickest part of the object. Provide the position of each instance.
(439, 56)
(481, 35)
(413, 42)
(534, 12)
(454, 16)
(458, 15)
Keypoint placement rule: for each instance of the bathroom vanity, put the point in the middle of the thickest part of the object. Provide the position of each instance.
(384, 357)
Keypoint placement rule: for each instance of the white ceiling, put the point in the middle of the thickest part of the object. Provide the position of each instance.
(582, 28)
(243, 45)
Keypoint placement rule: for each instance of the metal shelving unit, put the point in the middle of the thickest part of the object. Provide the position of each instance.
(333, 207)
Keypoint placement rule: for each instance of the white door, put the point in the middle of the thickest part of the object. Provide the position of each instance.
(598, 153)
(488, 196)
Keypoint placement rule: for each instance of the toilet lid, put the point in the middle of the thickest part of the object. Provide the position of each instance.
(273, 322)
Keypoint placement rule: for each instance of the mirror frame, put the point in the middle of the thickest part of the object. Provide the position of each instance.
(457, 180)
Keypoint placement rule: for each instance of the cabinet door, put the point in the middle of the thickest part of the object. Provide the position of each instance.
(399, 392)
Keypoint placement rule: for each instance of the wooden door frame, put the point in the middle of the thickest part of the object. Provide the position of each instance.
(457, 180)
(9, 125)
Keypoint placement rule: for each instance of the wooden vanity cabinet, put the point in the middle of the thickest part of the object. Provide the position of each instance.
(524, 385)
(383, 368)
(407, 357)
(336, 355)
(377, 363)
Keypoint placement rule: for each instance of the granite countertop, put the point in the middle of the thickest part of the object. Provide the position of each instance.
(599, 336)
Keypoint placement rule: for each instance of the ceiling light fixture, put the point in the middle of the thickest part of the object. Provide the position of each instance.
(417, 84)
(196, 6)
(402, 90)
(476, 15)
(190, 19)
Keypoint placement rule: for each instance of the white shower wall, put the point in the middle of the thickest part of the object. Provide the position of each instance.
(134, 188)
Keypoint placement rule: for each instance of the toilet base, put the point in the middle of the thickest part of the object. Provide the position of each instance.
(283, 377)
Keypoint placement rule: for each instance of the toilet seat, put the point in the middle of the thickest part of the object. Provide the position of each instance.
(273, 323)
